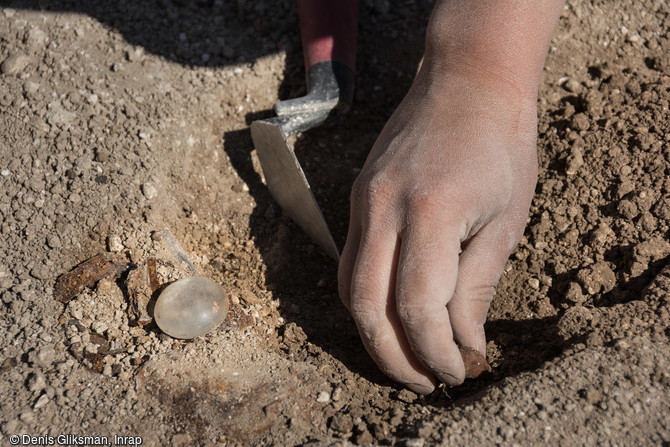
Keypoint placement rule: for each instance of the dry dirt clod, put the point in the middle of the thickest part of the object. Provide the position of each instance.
(598, 277)
(14, 64)
(8, 364)
(574, 321)
(43, 356)
(406, 395)
(37, 382)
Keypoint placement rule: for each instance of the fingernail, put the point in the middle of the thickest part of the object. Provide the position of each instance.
(449, 379)
(420, 388)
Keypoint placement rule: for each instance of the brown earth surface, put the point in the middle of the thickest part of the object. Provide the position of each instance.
(122, 118)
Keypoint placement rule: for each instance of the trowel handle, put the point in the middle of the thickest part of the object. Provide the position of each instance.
(328, 29)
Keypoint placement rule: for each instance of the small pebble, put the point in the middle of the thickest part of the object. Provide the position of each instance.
(42, 357)
(99, 327)
(42, 401)
(114, 243)
(323, 397)
(149, 190)
(53, 241)
(35, 39)
(27, 416)
(572, 86)
(592, 396)
(574, 161)
(337, 394)
(581, 122)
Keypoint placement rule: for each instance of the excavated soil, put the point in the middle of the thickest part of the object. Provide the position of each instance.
(119, 119)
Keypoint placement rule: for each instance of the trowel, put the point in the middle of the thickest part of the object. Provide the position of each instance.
(328, 31)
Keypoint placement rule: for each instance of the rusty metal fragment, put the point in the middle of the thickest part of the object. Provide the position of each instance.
(101, 342)
(475, 362)
(88, 273)
(154, 282)
(141, 285)
(95, 360)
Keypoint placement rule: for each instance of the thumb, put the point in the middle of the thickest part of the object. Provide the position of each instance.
(479, 268)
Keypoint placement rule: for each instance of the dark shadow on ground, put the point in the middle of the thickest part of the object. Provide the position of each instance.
(210, 33)
(523, 345)
(300, 275)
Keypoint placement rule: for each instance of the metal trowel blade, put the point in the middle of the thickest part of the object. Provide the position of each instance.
(288, 185)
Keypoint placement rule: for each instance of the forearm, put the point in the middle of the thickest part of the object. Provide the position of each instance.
(498, 42)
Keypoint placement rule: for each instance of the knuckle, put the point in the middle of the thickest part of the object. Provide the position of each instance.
(427, 205)
(369, 326)
(482, 293)
(412, 310)
(364, 312)
(376, 194)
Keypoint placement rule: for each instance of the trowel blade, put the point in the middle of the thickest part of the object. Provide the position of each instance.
(288, 185)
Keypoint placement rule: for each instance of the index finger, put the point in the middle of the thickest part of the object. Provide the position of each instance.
(426, 280)
(373, 308)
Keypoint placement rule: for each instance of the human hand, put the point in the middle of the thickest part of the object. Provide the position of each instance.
(443, 197)
(454, 169)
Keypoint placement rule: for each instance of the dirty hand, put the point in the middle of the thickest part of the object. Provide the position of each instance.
(445, 174)
(438, 207)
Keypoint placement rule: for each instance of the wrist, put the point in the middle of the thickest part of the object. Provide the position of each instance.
(499, 43)
(479, 99)
(478, 79)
